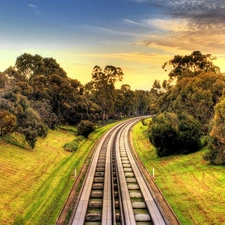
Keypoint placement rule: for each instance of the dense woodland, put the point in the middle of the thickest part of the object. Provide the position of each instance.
(37, 95)
(192, 109)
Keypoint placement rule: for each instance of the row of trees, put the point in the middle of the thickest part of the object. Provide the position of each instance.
(36, 95)
(191, 110)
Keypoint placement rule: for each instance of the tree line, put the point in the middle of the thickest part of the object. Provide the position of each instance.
(37, 95)
(191, 110)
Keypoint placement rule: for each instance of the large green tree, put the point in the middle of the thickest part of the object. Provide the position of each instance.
(20, 117)
(216, 155)
(101, 89)
(190, 65)
(31, 65)
(196, 96)
(192, 98)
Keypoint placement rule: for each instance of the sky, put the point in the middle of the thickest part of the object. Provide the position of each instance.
(136, 35)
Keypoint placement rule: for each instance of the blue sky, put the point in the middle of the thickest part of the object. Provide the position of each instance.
(136, 35)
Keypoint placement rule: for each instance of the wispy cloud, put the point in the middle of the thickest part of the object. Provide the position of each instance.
(160, 24)
(181, 6)
(116, 32)
(187, 25)
(35, 9)
(128, 56)
(210, 11)
(203, 40)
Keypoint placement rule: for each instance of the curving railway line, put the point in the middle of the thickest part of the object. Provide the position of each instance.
(114, 190)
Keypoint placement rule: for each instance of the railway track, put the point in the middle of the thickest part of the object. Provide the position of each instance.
(114, 190)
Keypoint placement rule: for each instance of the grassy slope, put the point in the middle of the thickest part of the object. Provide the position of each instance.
(194, 189)
(35, 183)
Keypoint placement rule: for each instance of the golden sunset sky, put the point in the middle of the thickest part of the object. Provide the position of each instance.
(136, 35)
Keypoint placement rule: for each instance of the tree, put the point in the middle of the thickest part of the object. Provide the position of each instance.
(29, 65)
(30, 125)
(110, 75)
(119, 103)
(142, 102)
(32, 65)
(102, 88)
(216, 154)
(3, 80)
(196, 96)
(156, 92)
(50, 67)
(129, 100)
(28, 122)
(163, 134)
(7, 122)
(190, 65)
(44, 109)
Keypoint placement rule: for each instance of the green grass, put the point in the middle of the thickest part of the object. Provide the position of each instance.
(34, 184)
(193, 188)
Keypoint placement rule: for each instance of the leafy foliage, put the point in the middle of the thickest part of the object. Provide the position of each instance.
(18, 116)
(191, 65)
(188, 105)
(102, 88)
(85, 127)
(8, 122)
(171, 134)
(72, 146)
(196, 96)
(217, 134)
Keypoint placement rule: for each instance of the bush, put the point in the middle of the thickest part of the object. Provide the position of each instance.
(163, 134)
(72, 146)
(188, 137)
(80, 138)
(173, 135)
(144, 123)
(85, 127)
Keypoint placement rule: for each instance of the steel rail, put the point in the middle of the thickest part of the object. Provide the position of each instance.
(153, 209)
(116, 141)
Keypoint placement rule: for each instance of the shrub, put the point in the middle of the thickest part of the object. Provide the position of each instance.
(85, 127)
(72, 146)
(171, 134)
(144, 123)
(163, 134)
(8, 122)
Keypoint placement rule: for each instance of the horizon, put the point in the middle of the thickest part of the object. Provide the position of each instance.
(137, 35)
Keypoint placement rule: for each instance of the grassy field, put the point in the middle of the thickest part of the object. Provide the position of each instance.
(194, 189)
(34, 184)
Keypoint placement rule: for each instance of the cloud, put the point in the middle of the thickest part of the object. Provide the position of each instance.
(131, 22)
(33, 6)
(203, 40)
(35, 9)
(195, 6)
(115, 32)
(143, 58)
(185, 25)
(160, 24)
(192, 9)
